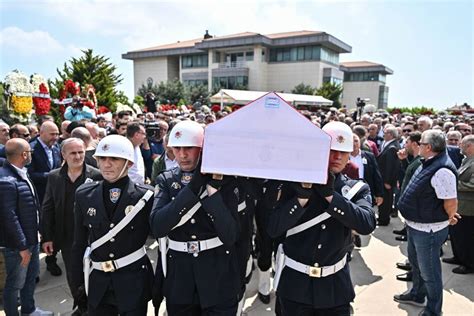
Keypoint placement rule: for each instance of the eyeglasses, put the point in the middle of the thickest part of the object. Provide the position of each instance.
(453, 140)
(25, 135)
(407, 130)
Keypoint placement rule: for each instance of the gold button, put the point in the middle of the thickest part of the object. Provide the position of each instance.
(316, 264)
(112, 239)
(193, 221)
(319, 246)
(111, 255)
(323, 226)
(193, 237)
(195, 255)
(112, 225)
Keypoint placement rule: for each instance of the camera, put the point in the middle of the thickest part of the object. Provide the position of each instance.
(152, 129)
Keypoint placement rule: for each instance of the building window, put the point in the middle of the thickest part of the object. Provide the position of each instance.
(332, 80)
(195, 61)
(249, 56)
(364, 76)
(232, 82)
(300, 53)
(217, 57)
(194, 83)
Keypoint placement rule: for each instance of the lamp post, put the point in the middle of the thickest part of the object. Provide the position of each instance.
(222, 99)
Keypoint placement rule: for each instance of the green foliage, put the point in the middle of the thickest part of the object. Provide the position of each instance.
(139, 100)
(197, 94)
(169, 92)
(303, 89)
(331, 91)
(95, 70)
(416, 110)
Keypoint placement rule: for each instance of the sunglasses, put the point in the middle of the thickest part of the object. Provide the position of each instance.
(407, 130)
(25, 135)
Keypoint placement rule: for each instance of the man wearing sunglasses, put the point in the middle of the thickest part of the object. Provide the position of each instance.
(16, 131)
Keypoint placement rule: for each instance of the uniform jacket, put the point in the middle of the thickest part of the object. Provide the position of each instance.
(18, 210)
(212, 277)
(53, 208)
(321, 245)
(372, 174)
(389, 163)
(466, 187)
(132, 284)
(39, 167)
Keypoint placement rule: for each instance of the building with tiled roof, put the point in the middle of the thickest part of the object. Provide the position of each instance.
(253, 61)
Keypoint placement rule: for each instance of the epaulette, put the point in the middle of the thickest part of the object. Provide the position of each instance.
(143, 186)
(88, 186)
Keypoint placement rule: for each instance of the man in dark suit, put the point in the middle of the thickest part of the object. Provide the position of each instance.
(111, 217)
(389, 165)
(368, 171)
(58, 203)
(45, 157)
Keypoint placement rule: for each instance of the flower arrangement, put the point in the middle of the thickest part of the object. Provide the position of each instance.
(215, 108)
(21, 104)
(69, 90)
(36, 81)
(18, 82)
(89, 93)
(42, 100)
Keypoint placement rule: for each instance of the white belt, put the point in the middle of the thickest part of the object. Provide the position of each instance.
(315, 272)
(195, 246)
(112, 265)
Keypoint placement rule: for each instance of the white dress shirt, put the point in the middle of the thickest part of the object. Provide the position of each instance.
(137, 171)
(359, 161)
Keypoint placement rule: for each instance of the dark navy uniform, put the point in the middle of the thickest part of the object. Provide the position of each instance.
(319, 246)
(126, 290)
(207, 280)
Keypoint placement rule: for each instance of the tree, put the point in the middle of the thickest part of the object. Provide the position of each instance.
(303, 89)
(332, 92)
(197, 93)
(95, 70)
(171, 91)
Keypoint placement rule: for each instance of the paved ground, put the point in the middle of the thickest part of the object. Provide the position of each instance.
(373, 274)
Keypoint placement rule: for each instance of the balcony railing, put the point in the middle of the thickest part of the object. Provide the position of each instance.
(233, 64)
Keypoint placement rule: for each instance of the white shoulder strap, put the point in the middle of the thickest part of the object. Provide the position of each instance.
(308, 224)
(124, 222)
(186, 217)
(322, 217)
(353, 191)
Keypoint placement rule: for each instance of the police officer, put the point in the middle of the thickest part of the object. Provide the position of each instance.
(196, 221)
(312, 276)
(111, 228)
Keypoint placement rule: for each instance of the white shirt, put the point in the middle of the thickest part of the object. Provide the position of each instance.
(445, 186)
(359, 161)
(170, 164)
(137, 171)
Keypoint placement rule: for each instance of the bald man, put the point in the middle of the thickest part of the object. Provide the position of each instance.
(46, 157)
(19, 213)
(17, 131)
(64, 133)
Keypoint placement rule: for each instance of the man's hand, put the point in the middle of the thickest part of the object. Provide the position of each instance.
(402, 154)
(25, 257)
(453, 220)
(378, 200)
(80, 297)
(387, 186)
(48, 248)
(198, 180)
(326, 190)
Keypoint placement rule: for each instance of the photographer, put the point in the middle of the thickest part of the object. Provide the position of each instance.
(76, 111)
(155, 131)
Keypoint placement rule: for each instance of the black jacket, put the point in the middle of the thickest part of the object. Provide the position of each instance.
(372, 174)
(321, 245)
(389, 163)
(212, 277)
(131, 284)
(53, 208)
(39, 167)
(19, 208)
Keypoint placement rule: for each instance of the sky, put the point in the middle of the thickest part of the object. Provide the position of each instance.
(428, 44)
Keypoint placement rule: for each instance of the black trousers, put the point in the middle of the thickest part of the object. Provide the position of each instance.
(462, 240)
(66, 254)
(290, 308)
(386, 207)
(111, 310)
(224, 309)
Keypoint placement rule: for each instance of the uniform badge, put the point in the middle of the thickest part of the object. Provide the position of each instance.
(345, 189)
(186, 178)
(128, 209)
(114, 194)
(178, 134)
(91, 211)
(88, 180)
(105, 147)
(364, 161)
(176, 185)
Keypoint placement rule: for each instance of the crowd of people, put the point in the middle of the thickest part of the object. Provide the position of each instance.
(95, 189)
